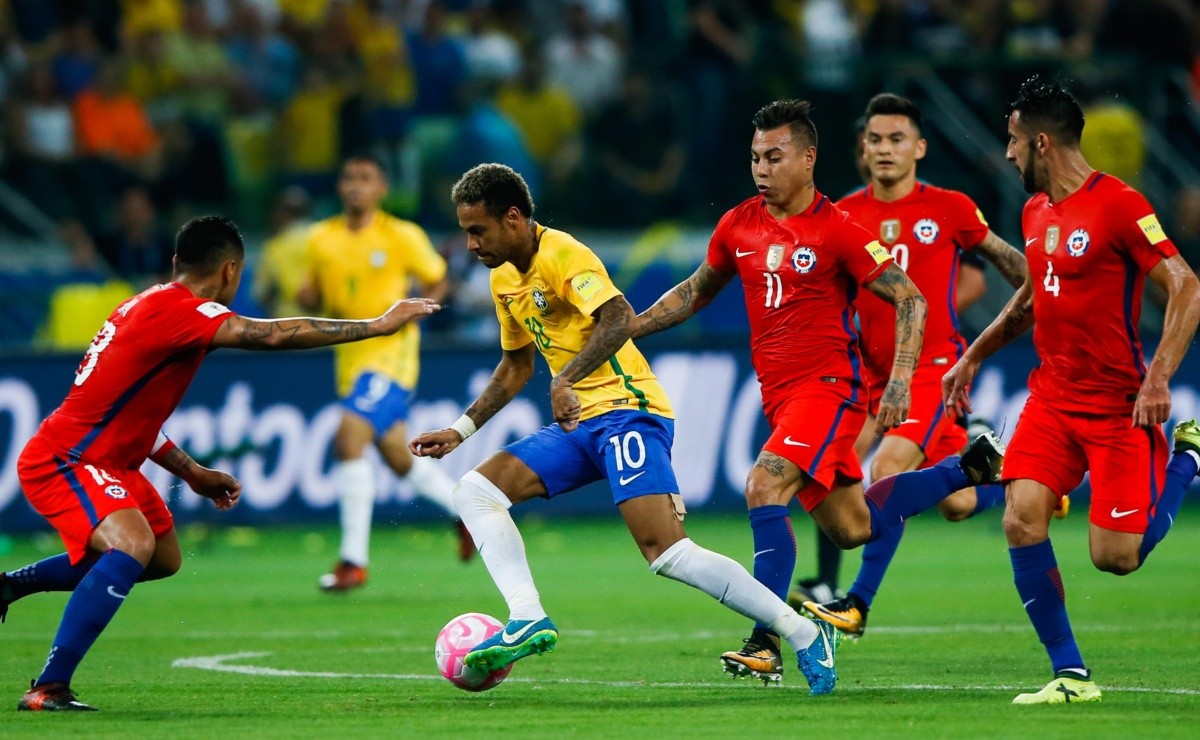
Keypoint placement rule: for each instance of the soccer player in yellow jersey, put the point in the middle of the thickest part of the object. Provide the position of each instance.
(612, 422)
(358, 261)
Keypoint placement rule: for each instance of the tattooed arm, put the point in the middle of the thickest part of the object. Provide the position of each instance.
(222, 488)
(679, 303)
(1007, 259)
(613, 326)
(893, 286)
(1013, 321)
(509, 377)
(302, 332)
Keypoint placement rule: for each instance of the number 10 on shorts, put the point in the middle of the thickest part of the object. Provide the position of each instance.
(629, 450)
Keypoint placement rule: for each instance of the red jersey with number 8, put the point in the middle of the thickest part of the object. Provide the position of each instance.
(1088, 259)
(132, 377)
(800, 276)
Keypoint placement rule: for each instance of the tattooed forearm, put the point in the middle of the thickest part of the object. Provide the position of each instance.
(1008, 261)
(178, 463)
(1014, 322)
(509, 378)
(612, 328)
(681, 302)
(299, 333)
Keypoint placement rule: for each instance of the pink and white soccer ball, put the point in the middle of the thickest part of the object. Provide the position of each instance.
(456, 640)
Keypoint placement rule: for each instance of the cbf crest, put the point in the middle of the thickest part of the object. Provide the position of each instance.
(804, 260)
(1052, 235)
(774, 257)
(889, 231)
(1078, 243)
(539, 300)
(926, 230)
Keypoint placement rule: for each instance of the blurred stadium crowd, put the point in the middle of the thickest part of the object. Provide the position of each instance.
(123, 116)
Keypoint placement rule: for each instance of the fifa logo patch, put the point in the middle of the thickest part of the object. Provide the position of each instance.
(1051, 239)
(1078, 243)
(804, 260)
(539, 300)
(889, 231)
(774, 257)
(926, 231)
(116, 492)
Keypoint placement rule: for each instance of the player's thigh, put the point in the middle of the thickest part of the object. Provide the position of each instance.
(1128, 466)
(1044, 449)
(865, 439)
(773, 481)
(959, 505)
(393, 447)
(354, 434)
(126, 530)
(512, 476)
(895, 455)
(843, 515)
(655, 521)
(1028, 507)
(166, 560)
(549, 462)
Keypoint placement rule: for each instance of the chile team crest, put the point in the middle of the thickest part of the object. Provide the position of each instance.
(926, 230)
(804, 260)
(1078, 243)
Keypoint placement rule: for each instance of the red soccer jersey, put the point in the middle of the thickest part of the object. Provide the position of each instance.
(926, 232)
(800, 276)
(1088, 258)
(133, 376)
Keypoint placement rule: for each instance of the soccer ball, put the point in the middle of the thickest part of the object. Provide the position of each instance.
(456, 640)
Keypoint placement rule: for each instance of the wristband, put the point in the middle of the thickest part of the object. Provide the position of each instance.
(464, 426)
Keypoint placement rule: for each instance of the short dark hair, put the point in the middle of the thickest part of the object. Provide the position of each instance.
(792, 113)
(1047, 106)
(203, 243)
(890, 104)
(367, 157)
(499, 187)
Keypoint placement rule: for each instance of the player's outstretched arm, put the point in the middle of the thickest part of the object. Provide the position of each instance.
(895, 287)
(1008, 259)
(221, 487)
(303, 332)
(1176, 279)
(678, 304)
(612, 329)
(509, 377)
(1013, 321)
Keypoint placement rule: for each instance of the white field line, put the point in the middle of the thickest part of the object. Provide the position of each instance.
(221, 663)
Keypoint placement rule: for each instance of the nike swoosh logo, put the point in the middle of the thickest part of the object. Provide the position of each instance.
(910, 421)
(763, 552)
(793, 443)
(827, 661)
(1118, 514)
(631, 478)
(1030, 241)
(740, 253)
(509, 639)
(113, 593)
(1027, 603)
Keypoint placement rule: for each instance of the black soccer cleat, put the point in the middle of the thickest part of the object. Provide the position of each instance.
(3, 604)
(983, 459)
(51, 697)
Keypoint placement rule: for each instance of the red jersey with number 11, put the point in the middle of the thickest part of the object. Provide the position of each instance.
(132, 377)
(800, 276)
(1088, 259)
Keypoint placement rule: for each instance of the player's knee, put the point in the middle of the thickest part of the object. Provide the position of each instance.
(1021, 530)
(476, 494)
(1117, 563)
(955, 508)
(762, 491)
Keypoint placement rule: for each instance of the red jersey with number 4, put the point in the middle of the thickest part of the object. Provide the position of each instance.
(132, 377)
(1088, 259)
(800, 276)
(926, 232)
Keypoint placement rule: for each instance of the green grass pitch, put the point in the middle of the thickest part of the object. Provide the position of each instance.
(241, 643)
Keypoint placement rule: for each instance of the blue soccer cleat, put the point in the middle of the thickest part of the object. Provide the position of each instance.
(518, 639)
(816, 660)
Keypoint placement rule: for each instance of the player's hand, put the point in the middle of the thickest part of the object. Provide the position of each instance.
(435, 444)
(564, 404)
(1153, 404)
(956, 387)
(403, 312)
(893, 407)
(221, 487)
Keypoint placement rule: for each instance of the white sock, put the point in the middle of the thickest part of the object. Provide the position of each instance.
(429, 481)
(484, 509)
(356, 499)
(729, 583)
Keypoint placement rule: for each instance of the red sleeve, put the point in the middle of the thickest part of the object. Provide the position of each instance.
(720, 256)
(862, 254)
(1136, 230)
(196, 323)
(970, 227)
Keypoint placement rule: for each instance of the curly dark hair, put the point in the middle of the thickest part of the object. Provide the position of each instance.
(1047, 106)
(792, 113)
(499, 187)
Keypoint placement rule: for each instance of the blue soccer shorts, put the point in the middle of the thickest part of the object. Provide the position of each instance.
(380, 400)
(631, 449)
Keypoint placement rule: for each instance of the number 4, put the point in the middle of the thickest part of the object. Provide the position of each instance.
(1050, 282)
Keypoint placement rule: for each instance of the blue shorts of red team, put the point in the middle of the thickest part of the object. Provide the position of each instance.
(629, 449)
(380, 400)
(1128, 464)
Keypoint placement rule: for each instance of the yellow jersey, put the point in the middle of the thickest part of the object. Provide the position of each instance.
(282, 270)
(360, 274)
(551, 305)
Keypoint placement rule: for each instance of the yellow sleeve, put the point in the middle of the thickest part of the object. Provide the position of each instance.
(424, 262)
(584, 282)
(312, 256)
(512, 335)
